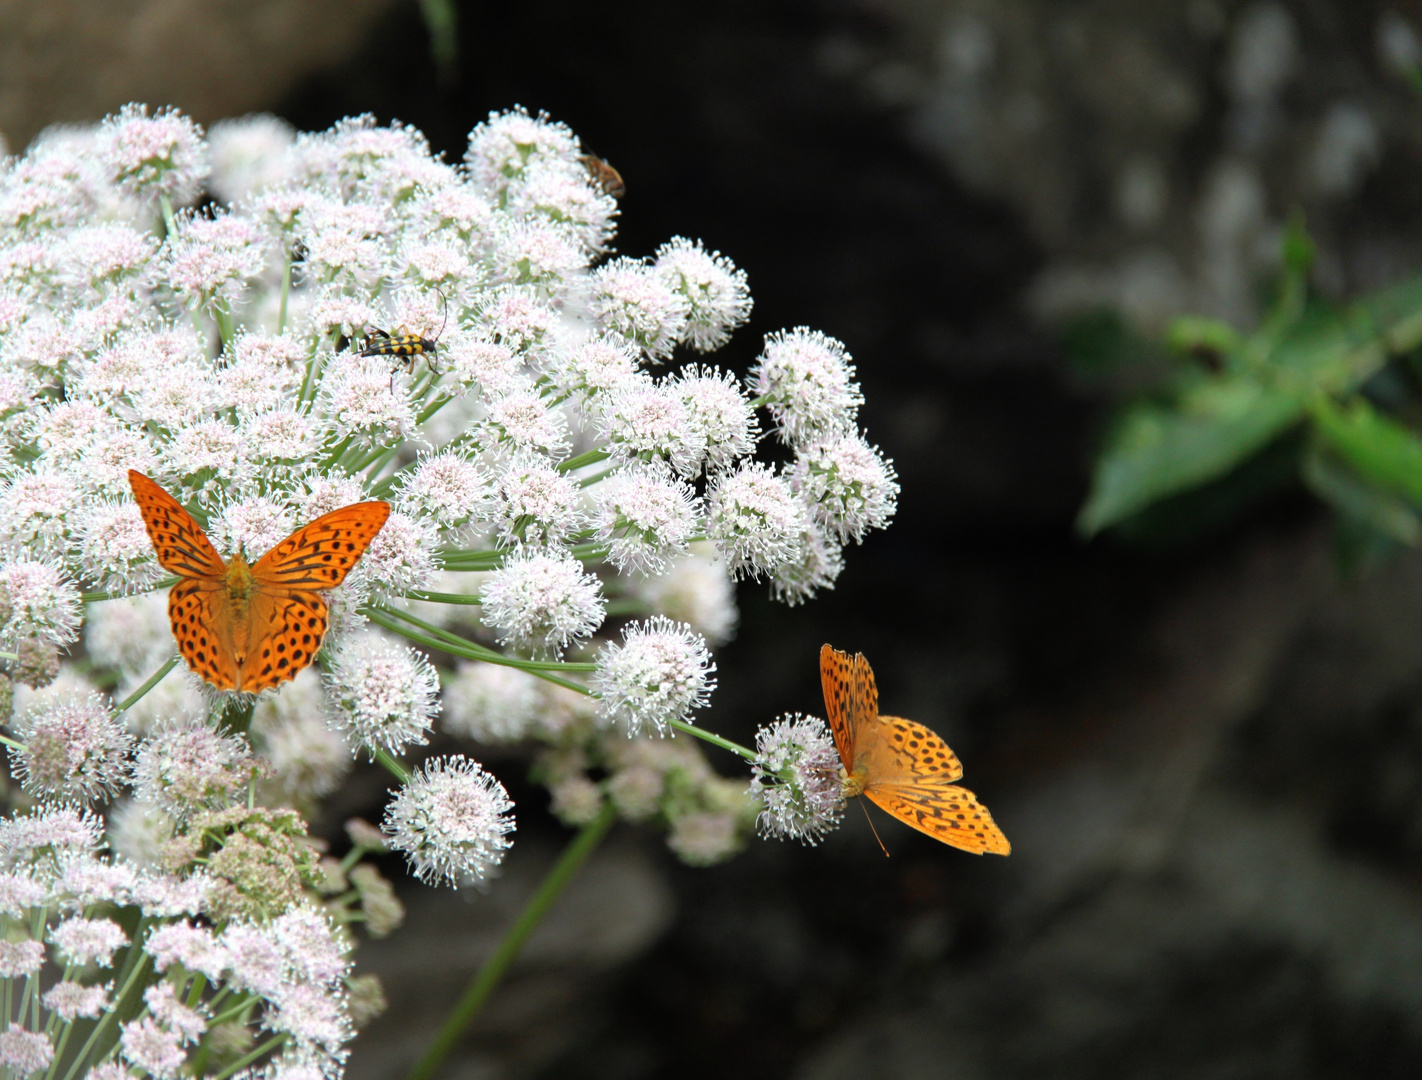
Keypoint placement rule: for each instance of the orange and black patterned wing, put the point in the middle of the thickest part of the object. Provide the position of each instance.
(950, 814)
(199, 613)
(320, 555)
(181, 545)
(903, 752)
(837, 681)
(284, 637)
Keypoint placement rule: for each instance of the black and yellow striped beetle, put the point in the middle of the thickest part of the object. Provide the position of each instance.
(406, 345)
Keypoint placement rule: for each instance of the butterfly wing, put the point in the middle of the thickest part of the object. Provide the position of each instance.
(181, 545)
(320, 555)
(837, 681)
(951, 814)
(200, 612)
(898, 751)
(281, 638)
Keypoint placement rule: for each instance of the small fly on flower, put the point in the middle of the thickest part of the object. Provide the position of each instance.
(406, 345)
(604, 175)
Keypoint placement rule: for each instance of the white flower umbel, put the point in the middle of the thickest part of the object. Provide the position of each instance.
(660, 673)
(451, 821)
(491, 703)
(647, 421)
(646, 516)
(248, 154)
(630, 301)
(152, 156)
(720, 414)
(73, 749)
(536, 504)
(717, 299)
(849, 486)
(542, 601)
(186, 766)
(755, 520)
(448, 487)
(44, 603)
(816, 565)
(796, 773)
(386, 694)
(698, 591)
(807, 380)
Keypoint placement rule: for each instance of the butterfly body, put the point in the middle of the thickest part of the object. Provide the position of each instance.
(899, 765)
(248, 627)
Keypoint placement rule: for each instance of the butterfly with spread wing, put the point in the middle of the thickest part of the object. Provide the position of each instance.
(899, 765)
(244, 627)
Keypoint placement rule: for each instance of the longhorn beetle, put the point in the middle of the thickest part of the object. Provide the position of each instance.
(406, 345)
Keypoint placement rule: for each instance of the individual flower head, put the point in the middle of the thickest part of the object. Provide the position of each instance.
(542, 601)
(704, 837)
(632, 302)
(660, 673)
(721, 415)
(520, 320)
(755, 520)
(451, 821)
(386, 694)
(646, 516)
(185, 767)
(521, 421)
(248, 153)
(491, 703)
(596, 368)
(815, 565)
(48, 837)
(796, 773)
(476, 362)
(534, 503)
(131, 633)
(448, 487)
(38, 510)
(138, 831)
(72, 1000)
(509, 147)
(25, 1052)
(307, 757)
(401, 557)
(252, 525)
(848, 485)
(696, 590)
(154, 156)
(807, 380)
(538, 254)
(115, 553)
(646, 421)
(20, 958)
(148, 1046)
(88, 941)
(356, 396)
(567, 199)
(385, 165)
(43, 603)
(74, 749)
(209, 260)
(717, 298)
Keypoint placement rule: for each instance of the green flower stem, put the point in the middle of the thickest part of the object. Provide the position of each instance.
(433, 407)
(392, 766)
(591, 457)
(102, 1026)
(756, 403)
(480, 652)
(5, 740)
(489, 976)
(589, 481)
(251, 1056)
(384, 619)
(94, 597)
(59, 1049)
(436, 598)
(153, 680)
(626, 607)
(169, 224)
(714, 740)
(225, 329)
(285, 293)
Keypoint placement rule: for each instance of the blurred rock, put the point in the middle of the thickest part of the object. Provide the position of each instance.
(74, 61)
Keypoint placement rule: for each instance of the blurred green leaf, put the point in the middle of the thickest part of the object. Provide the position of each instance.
(1363, 503)
(1382, 450)
(1157, 451)
(1194, 334)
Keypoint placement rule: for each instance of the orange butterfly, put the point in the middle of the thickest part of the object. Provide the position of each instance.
(901, 766)
(252, 627)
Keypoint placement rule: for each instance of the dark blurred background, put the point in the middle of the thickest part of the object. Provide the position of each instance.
(1207, 752)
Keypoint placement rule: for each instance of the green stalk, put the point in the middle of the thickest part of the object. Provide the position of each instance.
(117, 1006)
(591, 457)
(153, 680)
(714, 740)
(489, 976)
(169, 225)
(251, 1056)
(285, 293)
(394, 767)
(442, 597)
(471, 650)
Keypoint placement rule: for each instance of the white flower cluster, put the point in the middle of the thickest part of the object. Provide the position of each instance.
(188, 989)
(548, 458)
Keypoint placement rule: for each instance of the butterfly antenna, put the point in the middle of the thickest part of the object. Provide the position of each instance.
(874, 830)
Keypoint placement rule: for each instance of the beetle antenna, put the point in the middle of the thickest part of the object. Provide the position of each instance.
(446, 312)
